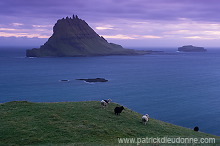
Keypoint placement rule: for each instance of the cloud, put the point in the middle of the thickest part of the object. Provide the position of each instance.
(104, 27)
(118, 36)
(28, 35)
(22, 42)
(115, 19)
(151, 37)
(43, 26)
(195, 37)
(183, 28)
(7, 29)
(131, 37)
(22, 30)
(93, 10)
(17, 24)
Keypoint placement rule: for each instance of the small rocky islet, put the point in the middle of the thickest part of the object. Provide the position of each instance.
(191, 48)
(94, 80)
(89, 80)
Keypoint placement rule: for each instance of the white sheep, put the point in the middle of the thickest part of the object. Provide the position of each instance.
(145, 119)
(104, 103)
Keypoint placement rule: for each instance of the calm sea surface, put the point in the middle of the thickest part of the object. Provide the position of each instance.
(179, 88)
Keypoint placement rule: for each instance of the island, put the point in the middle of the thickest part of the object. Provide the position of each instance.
(73, 37)
(94, 80)
(191, 48)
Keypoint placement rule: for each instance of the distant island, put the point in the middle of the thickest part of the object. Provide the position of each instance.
(73, 37)
(191, 48)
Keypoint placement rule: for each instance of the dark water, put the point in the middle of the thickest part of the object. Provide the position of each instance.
(180, 88)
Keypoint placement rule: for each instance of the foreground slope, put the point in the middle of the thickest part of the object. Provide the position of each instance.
(74, 37)
(83, 123)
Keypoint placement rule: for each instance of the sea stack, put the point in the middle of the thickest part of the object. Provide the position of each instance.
(191, 48)
(73, 37)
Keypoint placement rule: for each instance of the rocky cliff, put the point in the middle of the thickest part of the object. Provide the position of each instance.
(74, 37)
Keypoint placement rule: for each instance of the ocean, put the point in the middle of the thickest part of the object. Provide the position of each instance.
(179, 88)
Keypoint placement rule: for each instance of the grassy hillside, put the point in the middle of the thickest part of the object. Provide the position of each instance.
(78, 123)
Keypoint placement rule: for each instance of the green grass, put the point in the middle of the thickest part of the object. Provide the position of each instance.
(79, 123)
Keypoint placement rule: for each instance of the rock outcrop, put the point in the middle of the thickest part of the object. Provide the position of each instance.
(94, 80)
(191, 48)
(74, 37)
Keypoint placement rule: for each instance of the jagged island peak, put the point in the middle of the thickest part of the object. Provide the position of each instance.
(74, 37)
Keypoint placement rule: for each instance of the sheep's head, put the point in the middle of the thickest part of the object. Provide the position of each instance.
(147, 115)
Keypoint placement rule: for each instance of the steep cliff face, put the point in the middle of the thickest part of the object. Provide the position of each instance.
(74, 37)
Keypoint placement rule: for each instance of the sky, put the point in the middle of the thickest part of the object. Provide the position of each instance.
(130, 23)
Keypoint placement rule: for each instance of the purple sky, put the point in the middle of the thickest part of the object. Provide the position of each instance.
(131, 23)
